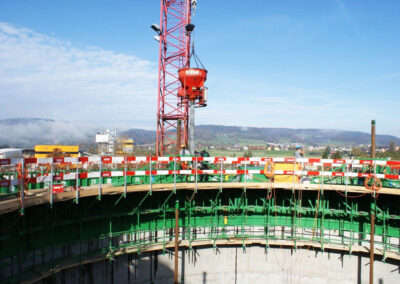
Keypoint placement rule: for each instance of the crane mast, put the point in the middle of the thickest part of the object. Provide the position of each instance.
(174, 54)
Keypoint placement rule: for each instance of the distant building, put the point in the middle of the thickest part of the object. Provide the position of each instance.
(257, 148)
(125, 146)
(106, 142)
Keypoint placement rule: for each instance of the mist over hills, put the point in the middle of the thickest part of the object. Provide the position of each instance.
(24, 120)
(27, 132)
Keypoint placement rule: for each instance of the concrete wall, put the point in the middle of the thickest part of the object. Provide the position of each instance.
(234, 265)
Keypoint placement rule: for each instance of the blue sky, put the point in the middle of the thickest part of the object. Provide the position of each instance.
(296, 64)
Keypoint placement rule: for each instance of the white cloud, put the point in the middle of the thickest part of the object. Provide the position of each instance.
(41, 76)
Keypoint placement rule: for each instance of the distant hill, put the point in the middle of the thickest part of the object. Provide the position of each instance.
(26, 132)
(140, 136)
(223, 135)
(219, 135)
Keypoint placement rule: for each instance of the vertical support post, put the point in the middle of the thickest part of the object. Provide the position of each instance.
(266, 229)
(245, 176)
(191, 127)
(195, 177)
(372, 242)
(164, 231)
(150, 177)
(18, 236)
(81, 209)
(110, 235)
(100, 180)
(178, 136)
(22, 186)
(52, 214)
(176, 242)
(77, 181)
(125, 177)
(294, 175)
(373, 145)
(322, 220)
(51, 183)
(322, 178)
(221, 177)
(346, 179)
(174, 175)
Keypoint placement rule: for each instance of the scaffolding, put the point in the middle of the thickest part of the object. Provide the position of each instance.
(238, 205)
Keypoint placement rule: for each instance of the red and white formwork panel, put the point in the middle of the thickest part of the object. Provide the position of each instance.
(314, 164)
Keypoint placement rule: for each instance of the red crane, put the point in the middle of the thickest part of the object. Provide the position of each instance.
(176, 95)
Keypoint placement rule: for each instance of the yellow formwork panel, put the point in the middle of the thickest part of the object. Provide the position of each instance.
(47, 155)
(286, 178)
(61, 148)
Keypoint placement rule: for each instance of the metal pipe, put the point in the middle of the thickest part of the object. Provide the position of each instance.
(195, 177)
(125, 177)
(191, 128)
(373, 145)
(151, 177)
(176, 242)
(22, 186)
(221, 177)
(100, 181)
(245, 175)
(178, 136)
(77, 181)
(51, 183)
(175, 175)
(371, 244)
(371, 250)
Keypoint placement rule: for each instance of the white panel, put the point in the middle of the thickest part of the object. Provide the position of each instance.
(102, 138)
(70, 176)
(93, 175)
(117, 160)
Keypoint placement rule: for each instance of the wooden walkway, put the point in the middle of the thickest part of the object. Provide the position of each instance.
(37, 197)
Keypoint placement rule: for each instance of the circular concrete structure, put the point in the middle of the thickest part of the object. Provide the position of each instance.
(233, 264)
(230, 235)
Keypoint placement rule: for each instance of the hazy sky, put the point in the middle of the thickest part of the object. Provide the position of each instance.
(296, 64)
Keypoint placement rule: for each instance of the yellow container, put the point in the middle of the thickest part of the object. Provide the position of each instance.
(43, 151)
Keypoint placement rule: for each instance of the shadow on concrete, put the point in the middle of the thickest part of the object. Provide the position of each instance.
(130, 268)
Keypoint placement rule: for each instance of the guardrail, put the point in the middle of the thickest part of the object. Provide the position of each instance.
(36, 170)
(70, 173)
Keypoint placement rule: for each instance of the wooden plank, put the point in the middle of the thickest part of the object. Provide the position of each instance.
(37, 197)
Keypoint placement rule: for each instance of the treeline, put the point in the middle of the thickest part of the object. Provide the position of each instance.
(391, 152)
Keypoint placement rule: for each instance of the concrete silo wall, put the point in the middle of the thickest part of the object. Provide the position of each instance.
(234, 265)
